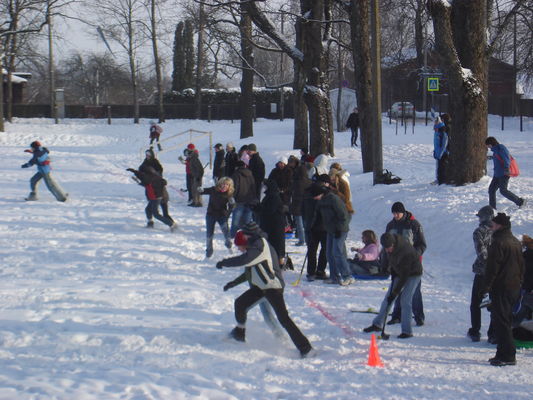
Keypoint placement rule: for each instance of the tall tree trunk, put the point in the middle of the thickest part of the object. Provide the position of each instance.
(315, 65)
(1, 91)
(247, 78)
(199, 65)
(360, 34)
(133, 74)
(460, 38)
(157, 61)
(419, 33)
(301, 116)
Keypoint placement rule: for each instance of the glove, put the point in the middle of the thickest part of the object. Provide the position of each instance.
(338, 234)
(228, 286)
(200, 189)
(180, 158)
(219, 265)
(130, 170)
(25, 165)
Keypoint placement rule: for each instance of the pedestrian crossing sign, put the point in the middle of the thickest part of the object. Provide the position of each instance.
(433, 84)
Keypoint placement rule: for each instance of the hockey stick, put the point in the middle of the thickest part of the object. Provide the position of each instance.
(385, 336)
(297, 281)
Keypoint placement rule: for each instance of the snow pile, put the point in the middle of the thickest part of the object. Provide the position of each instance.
(94, 306)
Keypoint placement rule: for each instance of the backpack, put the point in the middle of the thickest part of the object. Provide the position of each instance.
(387, 178)
(513, 166)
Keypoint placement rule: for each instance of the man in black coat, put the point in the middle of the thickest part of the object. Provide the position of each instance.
(197, 173)
(503, 279)
(230, 159)
(257, 166)
(244, 196)
(219, 163)
(406, 269)
(353, 124)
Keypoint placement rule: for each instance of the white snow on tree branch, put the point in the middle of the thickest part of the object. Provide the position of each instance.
(470, 82)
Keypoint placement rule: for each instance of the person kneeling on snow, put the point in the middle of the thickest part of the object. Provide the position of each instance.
(264, 274)
(366, 260)
(406, 269)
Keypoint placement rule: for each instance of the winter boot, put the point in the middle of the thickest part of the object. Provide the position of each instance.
(209, 252)
(227, 243)
(150, 224)
(159, 147)
(173, 227)
(31, 197)
(238, 334)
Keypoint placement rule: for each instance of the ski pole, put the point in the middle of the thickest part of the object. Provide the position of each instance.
(297, 281)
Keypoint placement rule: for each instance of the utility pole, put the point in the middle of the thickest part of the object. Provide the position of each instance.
(53, 111)
(376, 87)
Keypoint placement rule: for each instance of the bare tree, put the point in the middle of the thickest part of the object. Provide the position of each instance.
(155, 20)
(122, 21)
(461, 41)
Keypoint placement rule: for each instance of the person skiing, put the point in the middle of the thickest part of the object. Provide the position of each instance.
(482, 236)
(40, 158)
(500, 179)
(261, 266)
(153, 187)
(353, 124)
(218, 210)
(155, 133)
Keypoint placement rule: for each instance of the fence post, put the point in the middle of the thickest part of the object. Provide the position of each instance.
(503, 107)
(209, 113)
(255, 115)
(109, 115)
(521, 115)
(211, 150)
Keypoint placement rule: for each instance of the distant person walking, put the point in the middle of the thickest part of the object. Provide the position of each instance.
(500, 179)
(155, 133)
(353, 123)
(41, 159)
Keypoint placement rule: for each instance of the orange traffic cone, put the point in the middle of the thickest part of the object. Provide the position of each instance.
(373, 355)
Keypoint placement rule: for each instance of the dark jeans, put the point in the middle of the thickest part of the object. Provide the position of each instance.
(501, 183)
(475, 301)
(502, 317)
(210, 222)
(354, 135)
(441, 168)
(418, 305)
(152, 210)
(316, 238)
(188, 182)
(275, 297)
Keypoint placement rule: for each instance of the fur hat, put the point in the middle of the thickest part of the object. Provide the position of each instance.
(527, 241)
(240, 239)
(502, 219)
(387, 240)
(252, 147)
(485, 213)
(398, 207)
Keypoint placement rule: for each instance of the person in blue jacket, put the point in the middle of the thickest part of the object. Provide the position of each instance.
(41, 159)
(500, 179)
(440, 148)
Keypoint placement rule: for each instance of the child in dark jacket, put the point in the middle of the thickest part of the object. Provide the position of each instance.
(154, 186)
(218, 210)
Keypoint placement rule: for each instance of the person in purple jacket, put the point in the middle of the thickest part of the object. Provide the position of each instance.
(500, 178)
(41, 159)
(366, 260)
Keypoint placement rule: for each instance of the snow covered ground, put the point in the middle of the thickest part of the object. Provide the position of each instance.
(94, 306)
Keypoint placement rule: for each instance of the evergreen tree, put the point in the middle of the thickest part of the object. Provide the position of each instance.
(178, 74)
(188, 47)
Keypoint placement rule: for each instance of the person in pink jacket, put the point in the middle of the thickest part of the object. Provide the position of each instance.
(366, 260)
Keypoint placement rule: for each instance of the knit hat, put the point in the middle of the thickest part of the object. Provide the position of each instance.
(485, 213)
(218, 146)
(251, 228)
(35, 144)
(502, 219)
(283, 160)
(252, 147)
(317, 189)
(398, 207)
(240, 239)
(387, 240)
(190, 146)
